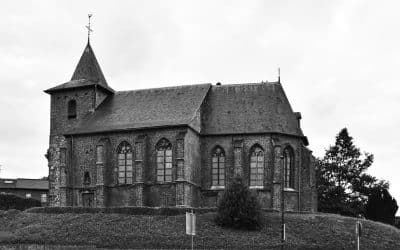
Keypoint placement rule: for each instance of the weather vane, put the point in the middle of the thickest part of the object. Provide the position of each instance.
(88, 26)
(279, 75)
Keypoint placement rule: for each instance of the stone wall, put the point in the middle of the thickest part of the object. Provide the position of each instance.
(237, 150)
(103, 180)
(59, 121)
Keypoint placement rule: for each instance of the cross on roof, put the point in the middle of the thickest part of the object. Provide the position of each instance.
(88, 26)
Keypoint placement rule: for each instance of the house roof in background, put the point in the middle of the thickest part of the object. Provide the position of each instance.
(21, 183)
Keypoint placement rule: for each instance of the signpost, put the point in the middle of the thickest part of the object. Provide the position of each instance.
(191, 224)
(358, 233)
(283, 232)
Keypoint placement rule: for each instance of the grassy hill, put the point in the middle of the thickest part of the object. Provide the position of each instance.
(304, 231)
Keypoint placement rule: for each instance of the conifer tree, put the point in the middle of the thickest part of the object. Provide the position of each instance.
(238, 208)
(343, 185)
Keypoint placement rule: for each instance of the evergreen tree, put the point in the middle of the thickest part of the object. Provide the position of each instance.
(343, 185)
(238, 208)
(381, 206)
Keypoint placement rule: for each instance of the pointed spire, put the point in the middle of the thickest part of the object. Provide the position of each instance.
(87, 72)
(88, 68)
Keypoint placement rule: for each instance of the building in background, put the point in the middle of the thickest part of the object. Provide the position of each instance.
(174, 146)
(26, 188)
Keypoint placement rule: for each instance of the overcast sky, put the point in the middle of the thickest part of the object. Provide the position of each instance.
(339, 63)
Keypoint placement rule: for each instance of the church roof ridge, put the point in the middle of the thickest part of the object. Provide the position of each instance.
(165, 88)
(247, 84)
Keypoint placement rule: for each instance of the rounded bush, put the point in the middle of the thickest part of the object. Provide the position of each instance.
(238, 208)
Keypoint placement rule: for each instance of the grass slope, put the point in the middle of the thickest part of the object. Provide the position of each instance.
(304, 231)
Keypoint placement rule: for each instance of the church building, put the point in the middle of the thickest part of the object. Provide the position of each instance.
(174, 146)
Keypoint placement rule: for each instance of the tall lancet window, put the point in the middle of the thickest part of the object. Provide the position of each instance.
(164, 161)
(256, 167)
(288, 163)
(218, 167)
(124, 153)
(71, 109)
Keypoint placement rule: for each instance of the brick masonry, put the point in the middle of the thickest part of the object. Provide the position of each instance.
(190, 188)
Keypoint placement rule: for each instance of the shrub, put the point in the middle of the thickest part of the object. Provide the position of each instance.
(381, 206)
(10, 201)
(238, 208)
(397, 222)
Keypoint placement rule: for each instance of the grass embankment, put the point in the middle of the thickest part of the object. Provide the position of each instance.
(304, 231)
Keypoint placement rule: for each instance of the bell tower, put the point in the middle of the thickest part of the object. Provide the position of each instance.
(70, 103)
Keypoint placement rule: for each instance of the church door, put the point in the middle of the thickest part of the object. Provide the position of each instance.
(88, 199)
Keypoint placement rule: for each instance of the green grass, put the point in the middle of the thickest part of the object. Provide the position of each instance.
(304, 231)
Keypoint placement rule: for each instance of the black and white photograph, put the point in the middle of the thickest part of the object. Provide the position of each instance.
(187, 124)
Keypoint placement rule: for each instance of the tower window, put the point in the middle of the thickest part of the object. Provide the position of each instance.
(71, 109)
(86, 178)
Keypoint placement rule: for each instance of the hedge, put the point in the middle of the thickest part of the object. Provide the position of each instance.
(168, 211)
(397, 222)
(10, 201)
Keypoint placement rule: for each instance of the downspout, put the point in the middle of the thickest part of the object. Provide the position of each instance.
(299, 175)
(72, 171)
(95, 97)
(272, 155)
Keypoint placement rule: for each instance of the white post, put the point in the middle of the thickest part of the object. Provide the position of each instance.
(193, 222)
(358, 236)
(192, 241)
(191, 225)
(284, 232)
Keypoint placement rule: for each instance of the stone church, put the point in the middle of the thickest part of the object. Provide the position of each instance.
(174, 146)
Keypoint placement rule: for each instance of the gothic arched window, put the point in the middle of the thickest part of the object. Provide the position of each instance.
(256, 167)
(218, 167)
(288, 164)
(71, 109)
(124, 153)
(164, 160)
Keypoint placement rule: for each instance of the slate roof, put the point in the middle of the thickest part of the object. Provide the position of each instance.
(87, 73)
(223, 109)
(24, 184)
(227, 109)
(249, 108)
(145, 108)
